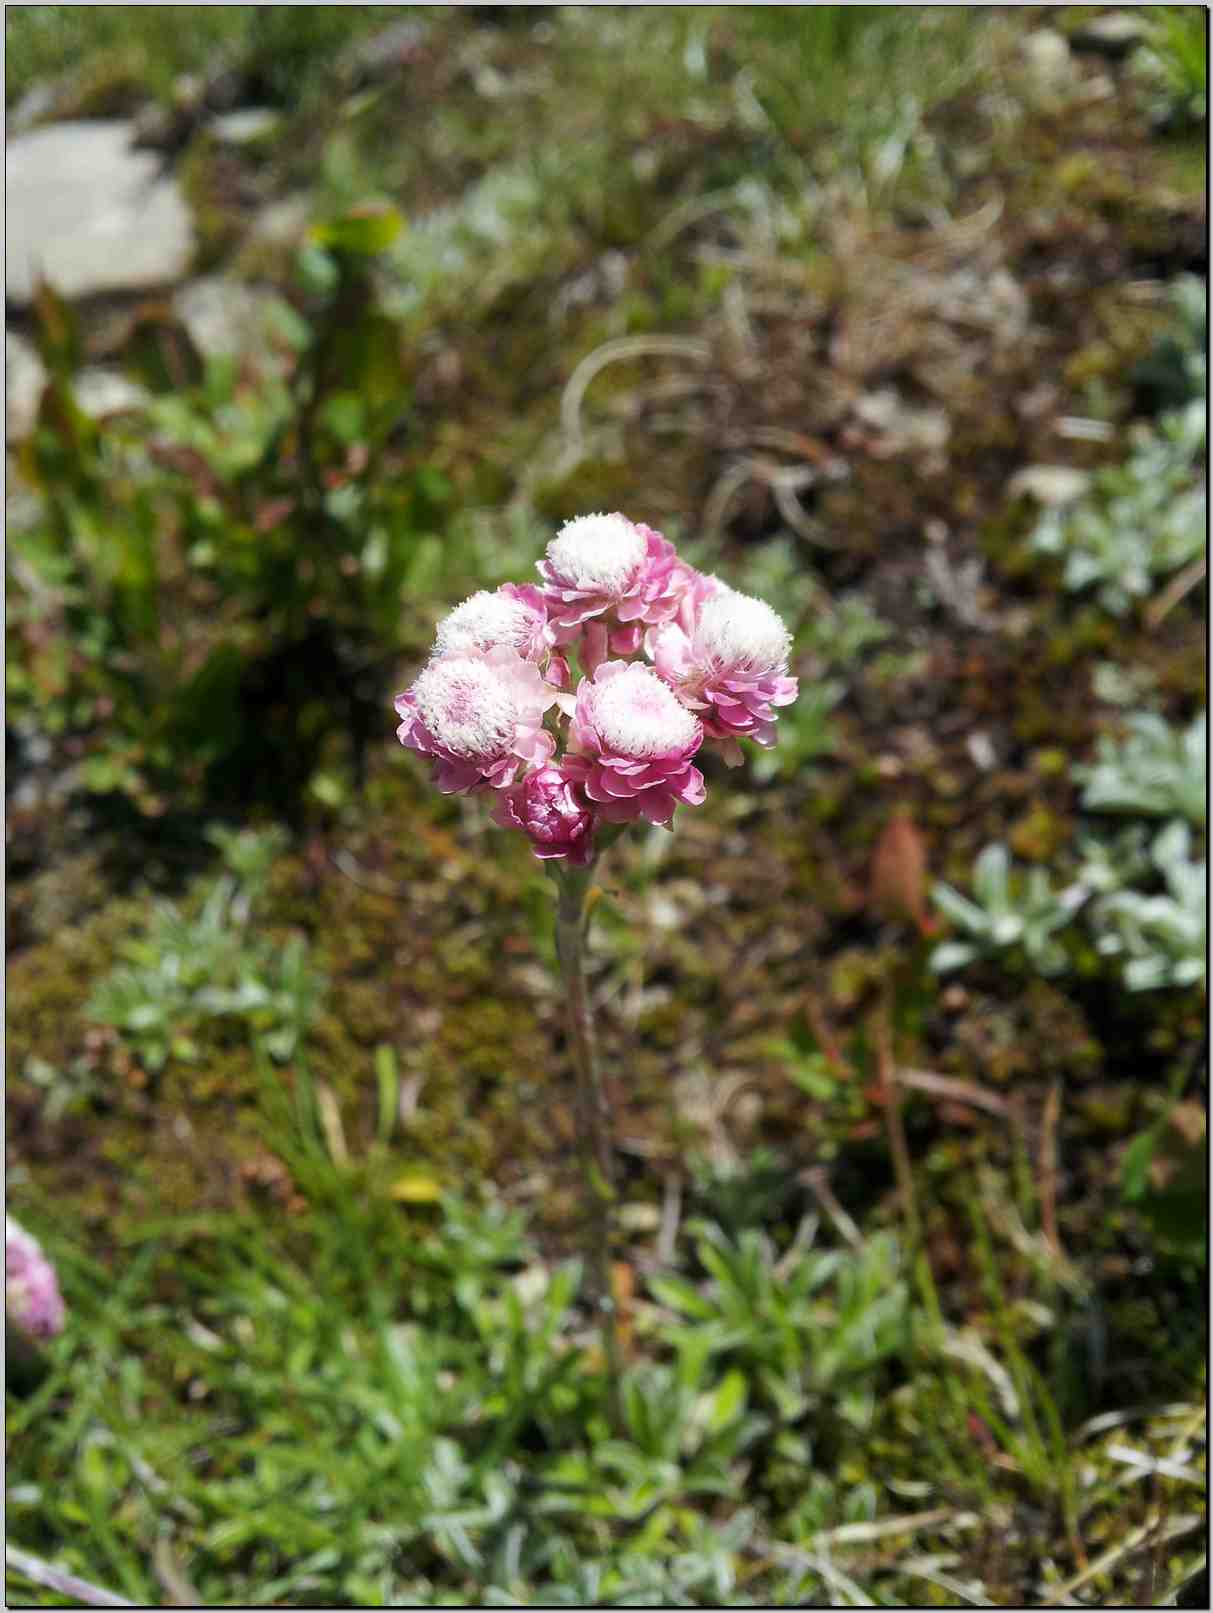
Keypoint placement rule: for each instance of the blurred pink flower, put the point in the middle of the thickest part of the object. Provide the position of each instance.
(479, 717)
(631, 742)
(511, 615)
(730, 664)
(31, 1289)
(600, 564)
(550, 809)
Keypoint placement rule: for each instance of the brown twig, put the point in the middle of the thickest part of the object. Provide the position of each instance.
(955, 1091)
(1180, 585)
(891, 1103)
(826, 1039)
(671, 1215)
(818, 1183)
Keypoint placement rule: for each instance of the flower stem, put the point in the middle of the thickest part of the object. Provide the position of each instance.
(593, 1118)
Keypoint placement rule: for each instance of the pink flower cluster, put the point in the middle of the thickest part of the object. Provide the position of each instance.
(31, 1289)
(667, 660)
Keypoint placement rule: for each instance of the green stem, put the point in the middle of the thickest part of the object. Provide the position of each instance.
(593, 1116)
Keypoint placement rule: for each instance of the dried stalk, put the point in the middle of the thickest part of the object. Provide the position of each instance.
(50, 1578)
(891, 1101)
(1180, 585)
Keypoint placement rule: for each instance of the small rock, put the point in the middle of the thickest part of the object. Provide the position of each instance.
(1113, 34)
(664, 914)
(22, 506)
(100, 392)
(90, 213)
(639, 1217)
(1048, 56)
(162, 128)
(246, 127)
(1051, 485)
(222, 316)
(960, 588)
(283, 223)
(987, 301)
(386, 51)
(24, 378)
(900, 424)
(35, 106)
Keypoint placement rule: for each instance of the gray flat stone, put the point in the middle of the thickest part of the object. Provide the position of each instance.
(90, 213)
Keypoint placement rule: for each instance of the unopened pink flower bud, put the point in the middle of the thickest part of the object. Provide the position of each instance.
(550, 809)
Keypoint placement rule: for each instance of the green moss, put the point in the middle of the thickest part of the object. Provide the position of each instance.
(48, 985)
(1004, 539)
(1039, 834)
(1050, 763)
(594, 485)
(209, 174)
(1109, 1110)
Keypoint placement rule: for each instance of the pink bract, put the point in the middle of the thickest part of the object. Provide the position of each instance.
(730, 665)
(478, 717)
(631, 743)
(550, 809)
(606, 565)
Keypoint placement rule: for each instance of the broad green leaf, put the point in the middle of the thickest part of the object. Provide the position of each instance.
(679, 1295)
(1136, 1163)
(727, 1402)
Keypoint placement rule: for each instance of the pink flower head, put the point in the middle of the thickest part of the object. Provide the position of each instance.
(31, 1289)
(479, 716)
(631, 743)
(550, 809)
(730, 665)
(601, 565)
(511, 615)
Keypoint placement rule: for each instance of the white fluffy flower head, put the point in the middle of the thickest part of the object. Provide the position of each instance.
(598, 552)
(483, 621)
(467, 707)
(736, 631)
(636, 714)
